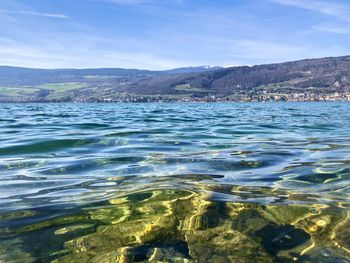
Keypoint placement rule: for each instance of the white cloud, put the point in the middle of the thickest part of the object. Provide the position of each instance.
(33, 13)
(330, 8)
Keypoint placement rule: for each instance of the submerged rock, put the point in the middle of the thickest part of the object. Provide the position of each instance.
(168, 225)
(276, 238)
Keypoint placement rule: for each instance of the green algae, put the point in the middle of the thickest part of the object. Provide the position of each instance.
(172, 225)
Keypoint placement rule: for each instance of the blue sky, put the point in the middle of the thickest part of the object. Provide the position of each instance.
(162, 34)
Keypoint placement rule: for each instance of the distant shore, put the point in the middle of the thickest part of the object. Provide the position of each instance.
(273, 97)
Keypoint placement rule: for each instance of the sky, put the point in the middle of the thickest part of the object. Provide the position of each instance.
(164, 34)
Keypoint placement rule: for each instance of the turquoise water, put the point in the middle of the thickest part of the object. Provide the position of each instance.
(231, 182)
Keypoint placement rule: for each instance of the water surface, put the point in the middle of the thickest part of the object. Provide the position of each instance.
(229, 182)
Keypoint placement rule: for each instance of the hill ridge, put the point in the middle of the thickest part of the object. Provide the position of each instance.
(318, 77)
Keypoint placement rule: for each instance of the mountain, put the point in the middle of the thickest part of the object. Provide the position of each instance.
(314, 76)
(199, 69)
(29, 76)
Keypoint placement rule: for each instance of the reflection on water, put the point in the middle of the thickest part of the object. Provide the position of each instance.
(175, 183)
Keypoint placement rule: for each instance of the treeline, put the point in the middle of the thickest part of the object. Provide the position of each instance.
(318, 73)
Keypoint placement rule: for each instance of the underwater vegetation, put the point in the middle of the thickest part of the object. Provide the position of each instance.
(172, 225)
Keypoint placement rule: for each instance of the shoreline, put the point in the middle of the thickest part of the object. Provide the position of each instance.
(167, 102)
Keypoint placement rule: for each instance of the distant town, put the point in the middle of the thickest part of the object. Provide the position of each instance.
(294, 97)
(265, 97)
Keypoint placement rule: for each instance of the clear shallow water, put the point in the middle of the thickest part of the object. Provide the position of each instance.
(216, 182)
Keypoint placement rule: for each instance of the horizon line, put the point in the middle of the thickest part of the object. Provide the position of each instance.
(180, 67)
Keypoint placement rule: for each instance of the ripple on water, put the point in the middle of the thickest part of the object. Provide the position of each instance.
(164, 182)
(43, 146)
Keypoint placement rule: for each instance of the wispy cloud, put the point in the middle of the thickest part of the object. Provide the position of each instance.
(330, 8)
(127, 2)
(52, 50)
(161, 34)
(136, 2)
(267, 50)
(271, 19)
(33, 13)
(335, 29)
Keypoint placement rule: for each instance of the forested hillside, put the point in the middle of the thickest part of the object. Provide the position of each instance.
(323, 75)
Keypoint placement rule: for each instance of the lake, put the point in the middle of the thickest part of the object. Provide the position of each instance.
(177, 182)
